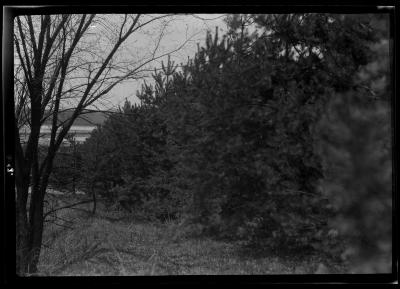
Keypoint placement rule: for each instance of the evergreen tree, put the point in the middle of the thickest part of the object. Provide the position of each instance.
(229, 140)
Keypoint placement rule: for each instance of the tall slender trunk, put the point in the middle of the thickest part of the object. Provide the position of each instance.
(22, 226)
(36, 229)
(29, 231)
(94, 179)
(74, 168)
(36, 219)
(94, 200)
(22, 234)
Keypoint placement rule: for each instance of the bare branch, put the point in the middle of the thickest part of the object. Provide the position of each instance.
(66, 207)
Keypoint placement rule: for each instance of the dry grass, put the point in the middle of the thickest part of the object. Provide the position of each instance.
(98, 246)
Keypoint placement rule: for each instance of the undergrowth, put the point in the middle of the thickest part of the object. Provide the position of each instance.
(103, 245)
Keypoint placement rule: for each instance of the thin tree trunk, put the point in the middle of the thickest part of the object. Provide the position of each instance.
(74, 169)
(94, 200)
(36, 230)
(22, 237)
(22, 227)
(94, 179)
(36, 219)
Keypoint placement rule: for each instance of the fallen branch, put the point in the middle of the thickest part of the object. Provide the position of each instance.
(79, 209)
(66, 207)
(71, 206)
(65, 226)
(62, 219)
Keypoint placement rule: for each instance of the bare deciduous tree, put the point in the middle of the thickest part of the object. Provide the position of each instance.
(64, 63)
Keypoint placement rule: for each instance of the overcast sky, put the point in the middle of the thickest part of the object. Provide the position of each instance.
(183, 27)
(177, 31)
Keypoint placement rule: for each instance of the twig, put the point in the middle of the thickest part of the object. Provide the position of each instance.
(65, 226)
(79, 209)
(62, 219)
(66, 207)
(151, 257)
(301, 192)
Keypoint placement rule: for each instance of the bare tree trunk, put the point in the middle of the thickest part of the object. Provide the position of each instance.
(94, 179)
(22, 192)
(28, 232)
(36, 219)
(74, 168)
(49, 49)
(73, 184)
(94, 200)
(36, 229)
(21, 236)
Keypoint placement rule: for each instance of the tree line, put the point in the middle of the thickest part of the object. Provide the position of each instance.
(272, 135)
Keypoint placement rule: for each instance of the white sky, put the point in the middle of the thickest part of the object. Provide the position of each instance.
(189, 30)
(179, 30)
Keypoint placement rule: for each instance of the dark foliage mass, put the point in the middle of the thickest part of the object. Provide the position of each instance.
(273, 134)
(355, 142)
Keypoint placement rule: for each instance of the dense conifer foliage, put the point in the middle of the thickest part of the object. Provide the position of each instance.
(275, 134)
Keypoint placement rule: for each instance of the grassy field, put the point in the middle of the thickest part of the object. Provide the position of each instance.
(98, 245)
